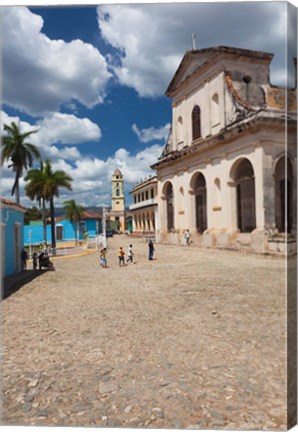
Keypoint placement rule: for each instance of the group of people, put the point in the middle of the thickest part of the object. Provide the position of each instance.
(42, 259)
(121, 255)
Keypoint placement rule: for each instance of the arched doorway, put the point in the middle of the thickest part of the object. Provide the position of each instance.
(169, 196)
(246, 208)
(199, 190)
(284, 195)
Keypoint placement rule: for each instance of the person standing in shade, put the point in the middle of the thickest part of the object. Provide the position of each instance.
(34, 261)
(151, 250)
(24, 258)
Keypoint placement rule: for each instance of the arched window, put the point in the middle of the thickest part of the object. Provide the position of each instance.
(169, 194)
(117, 192)
(245, 182)
(200, 192)
(196, 123)
(284, 195)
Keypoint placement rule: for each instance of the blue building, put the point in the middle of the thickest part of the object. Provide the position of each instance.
(12, 239)
(65, 230)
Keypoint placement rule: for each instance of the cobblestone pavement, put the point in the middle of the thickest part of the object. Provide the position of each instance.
(193, 339)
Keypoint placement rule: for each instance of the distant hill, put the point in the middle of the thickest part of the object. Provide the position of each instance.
(59, 211)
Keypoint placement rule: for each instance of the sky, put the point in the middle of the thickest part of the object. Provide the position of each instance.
(92, 80)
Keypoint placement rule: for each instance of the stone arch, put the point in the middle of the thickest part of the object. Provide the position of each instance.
(242, 173)
(198, 189)
(168, 196)
(283, 172)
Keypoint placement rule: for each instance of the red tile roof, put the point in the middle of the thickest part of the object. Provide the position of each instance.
(12, 204)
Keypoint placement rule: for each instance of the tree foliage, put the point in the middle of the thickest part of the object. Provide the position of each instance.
(74, 213)
(21, 153)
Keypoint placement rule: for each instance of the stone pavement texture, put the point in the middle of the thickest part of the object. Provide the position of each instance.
(193, 339)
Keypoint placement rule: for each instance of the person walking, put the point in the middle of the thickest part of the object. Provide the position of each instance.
(34, 261)
(187, 237)
(24, 257)
(121, 254)
(103, 258)
(151, 250)
(130, 254)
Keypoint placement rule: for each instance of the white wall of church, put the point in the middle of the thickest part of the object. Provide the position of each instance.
(214, 103)
(218, 169)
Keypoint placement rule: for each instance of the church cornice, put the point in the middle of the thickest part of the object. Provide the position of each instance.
(231, 132)
(214, 54)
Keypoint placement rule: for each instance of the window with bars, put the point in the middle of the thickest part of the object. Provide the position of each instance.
(170, 206)
(196, 123)
(59, 232)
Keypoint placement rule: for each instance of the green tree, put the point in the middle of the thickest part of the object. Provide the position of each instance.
(74, 214)
(36, 189)
(32, 214)
(19, 152)
(54, 180)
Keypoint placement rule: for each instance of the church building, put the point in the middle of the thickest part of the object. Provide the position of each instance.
(228, 170)
(117, 212)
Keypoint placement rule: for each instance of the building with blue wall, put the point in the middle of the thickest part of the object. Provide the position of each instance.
(12, 238)
(65, 230)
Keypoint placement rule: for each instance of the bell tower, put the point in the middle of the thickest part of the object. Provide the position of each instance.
(118, 199)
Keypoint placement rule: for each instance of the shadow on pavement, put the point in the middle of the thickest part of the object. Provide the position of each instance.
(13, 283)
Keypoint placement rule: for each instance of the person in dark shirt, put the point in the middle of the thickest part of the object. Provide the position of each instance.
(151, 250)
(24, 258)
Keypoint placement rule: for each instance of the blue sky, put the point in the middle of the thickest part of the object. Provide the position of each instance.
(92, 79)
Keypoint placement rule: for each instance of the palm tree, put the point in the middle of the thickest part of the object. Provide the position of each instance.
(54, 180)
(20, 153)
(35, 189)
(74, 213)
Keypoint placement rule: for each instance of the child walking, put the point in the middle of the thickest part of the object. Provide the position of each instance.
(130, 254)
(103, 258)
(121, 254)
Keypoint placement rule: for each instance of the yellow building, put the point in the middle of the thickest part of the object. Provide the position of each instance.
(117, 212)
(144, 207)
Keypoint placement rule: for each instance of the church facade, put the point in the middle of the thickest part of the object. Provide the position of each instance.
(117, 211)
(228, 170)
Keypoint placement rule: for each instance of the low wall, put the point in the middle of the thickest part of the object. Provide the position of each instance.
(258, 241)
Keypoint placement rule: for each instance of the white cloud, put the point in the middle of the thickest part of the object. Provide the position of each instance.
(40, 74)
(58, 128)
(91, 176)
(151, 39)
(151, 134)
(67, 129)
